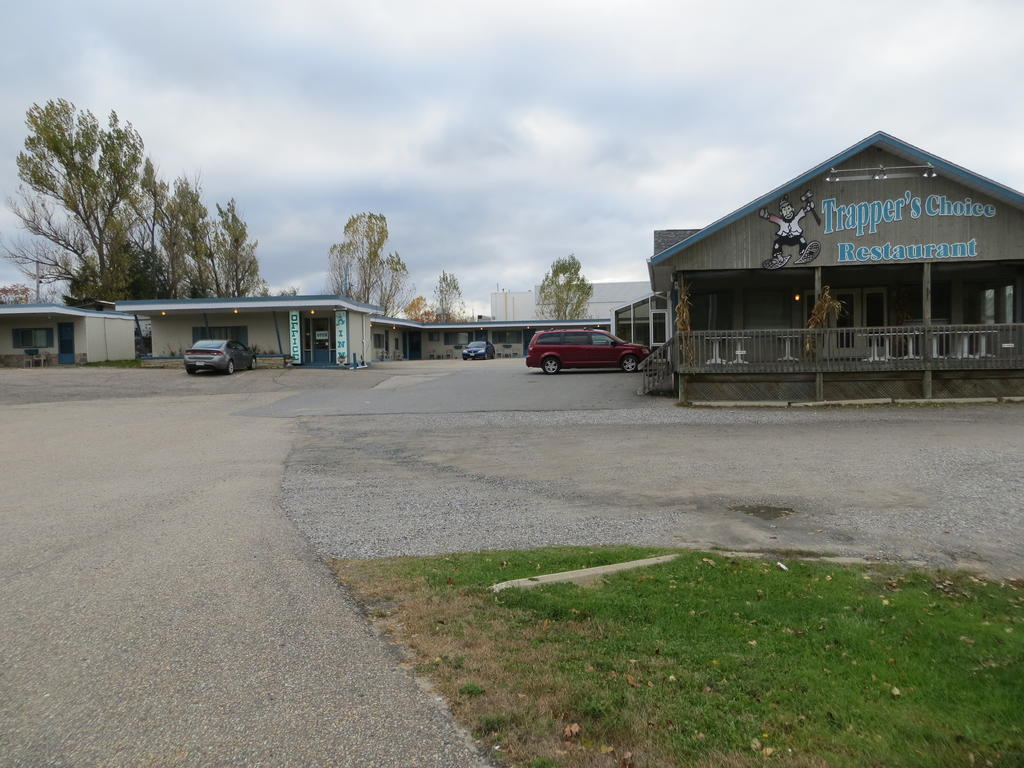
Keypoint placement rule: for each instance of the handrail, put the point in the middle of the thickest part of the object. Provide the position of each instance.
(657, 370)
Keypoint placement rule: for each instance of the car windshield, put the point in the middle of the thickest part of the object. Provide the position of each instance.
(207, 345)
(477, 344)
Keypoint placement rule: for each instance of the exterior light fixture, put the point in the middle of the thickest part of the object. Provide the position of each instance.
(312, 311)
(831, 175)
(163, 313)
(796, 297)
(234, 311)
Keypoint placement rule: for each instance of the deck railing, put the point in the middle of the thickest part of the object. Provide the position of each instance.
(823, 350)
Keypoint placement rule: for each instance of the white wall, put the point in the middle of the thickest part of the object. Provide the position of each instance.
(521, 305)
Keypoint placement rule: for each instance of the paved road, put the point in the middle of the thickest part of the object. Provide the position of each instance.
(158, 607)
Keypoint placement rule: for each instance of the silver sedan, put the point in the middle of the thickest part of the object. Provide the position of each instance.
(218, 355)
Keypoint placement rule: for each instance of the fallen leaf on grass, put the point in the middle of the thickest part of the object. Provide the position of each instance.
(755, 744)
(632, 681)
(604, 749)
(626, 761)
(571, 731)
(707, 560)
(895, 691)
(966, 639)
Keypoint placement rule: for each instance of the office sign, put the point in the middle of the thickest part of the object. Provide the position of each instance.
(295, 336)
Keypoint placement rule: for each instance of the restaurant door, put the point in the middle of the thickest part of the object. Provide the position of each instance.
(862, 308)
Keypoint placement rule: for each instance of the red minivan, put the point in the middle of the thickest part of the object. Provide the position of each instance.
(551, 351)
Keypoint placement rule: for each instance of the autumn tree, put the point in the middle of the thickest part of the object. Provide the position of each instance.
(419, 310)
(107, 226)
(359, 268)
(564, 292)
(15, 293)
(238, 271)
(448, 305)
(80, 184)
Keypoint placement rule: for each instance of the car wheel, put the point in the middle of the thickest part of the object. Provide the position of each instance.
(231, 367)
(252, 363)
(550, 365)
(190, 370)
(629, 363)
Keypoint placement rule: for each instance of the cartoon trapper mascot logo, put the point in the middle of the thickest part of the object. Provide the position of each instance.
(791, 233)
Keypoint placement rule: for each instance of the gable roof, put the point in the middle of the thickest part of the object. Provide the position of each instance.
(879, 139)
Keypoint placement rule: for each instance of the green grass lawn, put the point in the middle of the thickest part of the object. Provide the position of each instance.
(711, 660)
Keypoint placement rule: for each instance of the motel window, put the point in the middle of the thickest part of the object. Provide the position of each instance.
(378, 340)
(506, 337)
(32, 338)
(454, 338)
(433, 336)
(229, 332)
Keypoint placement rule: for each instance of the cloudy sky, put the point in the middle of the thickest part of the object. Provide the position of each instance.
(496, 137)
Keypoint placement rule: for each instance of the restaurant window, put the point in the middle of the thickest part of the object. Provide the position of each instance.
(711, 311)
(766, 309)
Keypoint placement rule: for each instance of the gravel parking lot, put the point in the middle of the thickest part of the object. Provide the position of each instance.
(936, 485)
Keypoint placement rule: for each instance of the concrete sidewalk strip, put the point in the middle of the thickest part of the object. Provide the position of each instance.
(581, 576)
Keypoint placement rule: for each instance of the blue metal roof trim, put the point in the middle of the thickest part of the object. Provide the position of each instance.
(880, 138)
(470, 324)
(43, 306)
(251, 299)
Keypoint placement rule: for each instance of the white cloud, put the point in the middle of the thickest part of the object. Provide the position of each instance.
(497, 137)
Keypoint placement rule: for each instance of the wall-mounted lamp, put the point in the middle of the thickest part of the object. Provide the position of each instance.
(234, 311)
(312, 311)
(163, 313)
(796, 297)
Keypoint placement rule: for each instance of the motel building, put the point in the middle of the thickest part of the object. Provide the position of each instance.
(55, 334)
(925, 258)
(323, 331)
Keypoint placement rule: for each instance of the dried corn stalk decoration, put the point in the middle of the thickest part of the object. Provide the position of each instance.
(683, 327)
(826, 308)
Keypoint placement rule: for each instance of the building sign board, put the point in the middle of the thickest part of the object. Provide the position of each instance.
(851, 221)
(341, 335)
(295, 336)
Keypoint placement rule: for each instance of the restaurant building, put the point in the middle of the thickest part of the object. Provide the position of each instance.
(925, 259)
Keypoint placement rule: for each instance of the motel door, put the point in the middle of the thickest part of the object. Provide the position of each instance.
(414, 350)
(318, 340)
(66, 343)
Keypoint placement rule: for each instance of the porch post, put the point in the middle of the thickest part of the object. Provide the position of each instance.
(926, 319)
(819, 377)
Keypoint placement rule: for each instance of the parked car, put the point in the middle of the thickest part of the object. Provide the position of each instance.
(551, 351)
(478, 350)
(218, 355)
